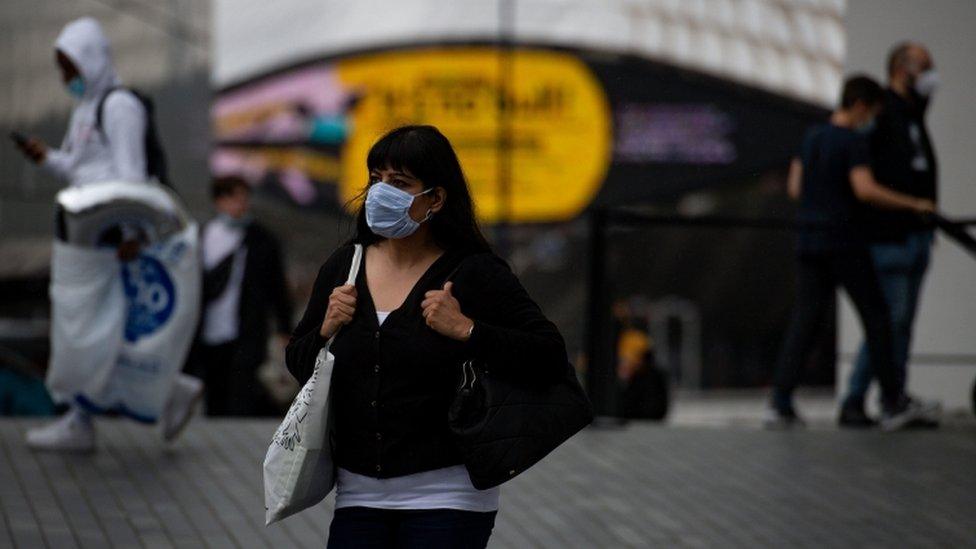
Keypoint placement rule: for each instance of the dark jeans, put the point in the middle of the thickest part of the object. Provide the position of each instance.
(355, 527)
(901, 269)
(818, 277)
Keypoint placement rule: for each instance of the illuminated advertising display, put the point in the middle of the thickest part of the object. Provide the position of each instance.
(585, 129)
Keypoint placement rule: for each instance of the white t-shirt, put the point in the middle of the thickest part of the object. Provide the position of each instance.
(220, 319)
(447, 488)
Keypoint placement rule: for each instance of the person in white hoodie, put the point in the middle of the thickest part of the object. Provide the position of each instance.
(83, 54)
(115, 151)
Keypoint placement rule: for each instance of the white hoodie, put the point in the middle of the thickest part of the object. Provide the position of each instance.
(118, 151)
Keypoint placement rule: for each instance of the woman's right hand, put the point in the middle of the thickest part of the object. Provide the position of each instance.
(342, 306)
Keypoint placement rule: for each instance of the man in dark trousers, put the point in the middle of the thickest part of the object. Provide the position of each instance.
(832, 178)
(902, 159)
(244, 287)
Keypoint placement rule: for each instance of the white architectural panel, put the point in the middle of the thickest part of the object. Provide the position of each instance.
(792, 47)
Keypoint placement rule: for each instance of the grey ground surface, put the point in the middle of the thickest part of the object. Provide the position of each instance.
(684, 485)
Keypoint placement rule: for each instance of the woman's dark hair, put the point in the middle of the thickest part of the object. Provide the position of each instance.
(427, 155)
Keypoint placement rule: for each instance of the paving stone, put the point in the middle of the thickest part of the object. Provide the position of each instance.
(642, 486)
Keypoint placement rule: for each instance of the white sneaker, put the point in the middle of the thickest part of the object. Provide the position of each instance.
(931, 409)
(73, 432)
(909, 411)
(183, 402)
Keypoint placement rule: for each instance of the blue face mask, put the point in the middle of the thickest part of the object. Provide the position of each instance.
(235, 222)
(76, 87)
(388, 211)
(866, 128)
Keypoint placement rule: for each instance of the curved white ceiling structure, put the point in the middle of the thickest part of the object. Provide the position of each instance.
(792, 47)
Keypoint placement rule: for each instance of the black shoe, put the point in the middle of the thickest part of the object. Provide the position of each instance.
(777, 419)
(922, 424)
(854, 417)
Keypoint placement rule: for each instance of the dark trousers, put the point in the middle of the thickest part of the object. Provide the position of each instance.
(818, 277)
(355, 527)
(230, 381)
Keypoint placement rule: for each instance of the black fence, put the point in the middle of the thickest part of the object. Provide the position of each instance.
(599, 331)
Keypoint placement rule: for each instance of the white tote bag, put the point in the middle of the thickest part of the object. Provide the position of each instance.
(298, 468)
(120, 332)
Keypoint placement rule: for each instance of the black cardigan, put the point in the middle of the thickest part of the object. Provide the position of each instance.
(392, 385)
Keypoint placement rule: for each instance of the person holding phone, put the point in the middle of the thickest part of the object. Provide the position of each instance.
(83, 57)
(105, 141)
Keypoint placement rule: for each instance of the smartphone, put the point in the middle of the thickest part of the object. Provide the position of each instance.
(19, 139)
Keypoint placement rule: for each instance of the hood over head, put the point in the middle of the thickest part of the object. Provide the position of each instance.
(84, 42)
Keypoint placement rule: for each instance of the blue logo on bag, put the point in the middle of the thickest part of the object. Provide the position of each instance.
(150, 296)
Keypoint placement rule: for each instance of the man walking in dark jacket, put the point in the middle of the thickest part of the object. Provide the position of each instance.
(244, 284)
(902, 159)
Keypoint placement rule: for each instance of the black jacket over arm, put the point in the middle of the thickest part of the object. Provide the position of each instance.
(393, 384)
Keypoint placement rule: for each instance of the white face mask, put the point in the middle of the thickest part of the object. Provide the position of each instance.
(388, 211)
(926, 83)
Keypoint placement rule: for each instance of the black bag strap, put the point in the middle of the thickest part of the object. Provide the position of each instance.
(452, 273)
(455, 270)
(100, 109)
(155, 155)
(215, 280)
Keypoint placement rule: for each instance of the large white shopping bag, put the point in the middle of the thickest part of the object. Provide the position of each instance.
(88, 313)
(120, 331)
(298, 469)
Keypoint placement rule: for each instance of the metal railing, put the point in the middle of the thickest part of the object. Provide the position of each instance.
(598, 345)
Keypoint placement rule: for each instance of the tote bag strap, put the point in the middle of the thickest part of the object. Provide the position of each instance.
(357, 259)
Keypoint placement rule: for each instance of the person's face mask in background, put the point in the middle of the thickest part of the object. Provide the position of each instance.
(235, 222)
(70, 75)
(388, 211)
(234, 207)
(863, 117)
(926, 83)
(867, 127)
(76, 87)
(922, 78)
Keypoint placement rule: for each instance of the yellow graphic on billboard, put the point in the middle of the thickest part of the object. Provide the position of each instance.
(557, 113)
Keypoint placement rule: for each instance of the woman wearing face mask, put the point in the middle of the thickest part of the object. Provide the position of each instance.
(430, 295)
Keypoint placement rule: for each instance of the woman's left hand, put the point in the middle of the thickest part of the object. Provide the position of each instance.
(443, 314)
